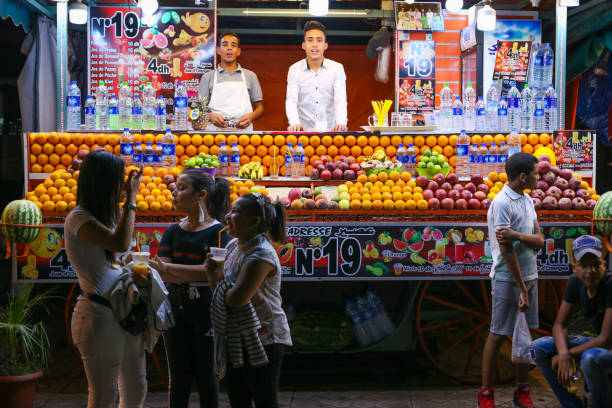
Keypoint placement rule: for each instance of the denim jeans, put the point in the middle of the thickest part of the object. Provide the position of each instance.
(596, 364)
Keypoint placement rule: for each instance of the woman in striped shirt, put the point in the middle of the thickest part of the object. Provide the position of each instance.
(181, 255)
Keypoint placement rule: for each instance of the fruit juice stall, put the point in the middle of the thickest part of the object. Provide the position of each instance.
(358, 220)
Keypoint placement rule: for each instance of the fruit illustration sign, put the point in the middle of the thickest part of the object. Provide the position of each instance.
(172, 45)
(574, 150)
(46, 260)
(325, 251)
(416, 71)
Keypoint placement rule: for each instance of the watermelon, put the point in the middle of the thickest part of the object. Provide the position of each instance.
(21, 212)
(410, 235)
(416, 247)
(400, 245)
(603, 209)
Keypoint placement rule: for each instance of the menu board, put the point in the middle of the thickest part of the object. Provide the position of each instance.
(512, 60)
(574, 151)
(165, 48)
(416, 69)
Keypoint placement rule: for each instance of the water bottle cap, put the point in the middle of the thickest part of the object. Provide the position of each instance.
(512, 83)
(411, 145)
(469, 85)
(483, 144)
(526, 85)
(513, 130)
(126, 129)
(290, 144)
(101, 82)
(550, 84)
(538, 98)
(456, 97)
(480, 98)
(149, 83)
(112, 96)
(89, 97)
(222, 143)
(234, 144)
(72, 82)
(180, 83)
(493, 144)
(300, 144)
(160, 97)
(502, 143)
(168, 130)
(148, 143)
(136, 96)
(474, 145)
(462, 131)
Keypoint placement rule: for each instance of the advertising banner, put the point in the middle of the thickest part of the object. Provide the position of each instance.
(416, 72)
(574, 151)
(512, 60)
(170, 46)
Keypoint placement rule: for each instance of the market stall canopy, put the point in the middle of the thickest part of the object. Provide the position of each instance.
(14, 9)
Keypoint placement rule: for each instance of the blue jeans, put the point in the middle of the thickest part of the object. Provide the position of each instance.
(596, 364)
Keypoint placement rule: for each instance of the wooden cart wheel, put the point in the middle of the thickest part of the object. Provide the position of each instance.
(453, 324)
(160, 368)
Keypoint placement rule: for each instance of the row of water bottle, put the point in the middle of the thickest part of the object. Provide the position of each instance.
(482, 160)
(229, 160)
(163, 154)
(107, 111)
(407, 158)
(295, 161)
(371, 322)
(541, 66)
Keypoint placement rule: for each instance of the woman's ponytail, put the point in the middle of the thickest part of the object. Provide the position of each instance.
(218, 200)
(277, 223)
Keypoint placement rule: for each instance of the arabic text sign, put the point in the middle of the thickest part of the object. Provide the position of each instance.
(416, 87)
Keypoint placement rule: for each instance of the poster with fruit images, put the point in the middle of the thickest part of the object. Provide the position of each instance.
(172, 45)
(574, 150)
(416, 85)
(512, 61)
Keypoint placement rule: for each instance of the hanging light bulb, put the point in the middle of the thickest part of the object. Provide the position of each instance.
(486, 19)
(453, 6)
(148, 6)
(318, 7)
(77, 13)
(409, 1)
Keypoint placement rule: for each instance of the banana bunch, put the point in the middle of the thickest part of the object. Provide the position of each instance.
(252, 170)
(377, 155)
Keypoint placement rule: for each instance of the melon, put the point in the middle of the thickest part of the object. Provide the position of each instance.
(416, 247)
(410, 235)
(400, 245)
(603, 209)
(21, 212)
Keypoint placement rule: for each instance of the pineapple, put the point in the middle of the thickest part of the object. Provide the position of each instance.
(199, 113)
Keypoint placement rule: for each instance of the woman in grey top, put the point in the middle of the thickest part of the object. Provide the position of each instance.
(253, 267)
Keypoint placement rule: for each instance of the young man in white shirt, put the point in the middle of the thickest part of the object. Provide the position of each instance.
(235, 97)
(316, 87)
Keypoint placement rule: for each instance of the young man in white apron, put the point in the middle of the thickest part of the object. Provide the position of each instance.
(235, 97)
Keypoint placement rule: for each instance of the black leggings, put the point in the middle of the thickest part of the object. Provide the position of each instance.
(259, 384)
(189, 348)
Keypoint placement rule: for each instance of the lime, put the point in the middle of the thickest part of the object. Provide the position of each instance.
(427, 153)
(430, 165)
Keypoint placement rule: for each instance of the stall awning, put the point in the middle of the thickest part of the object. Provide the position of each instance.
(17, 11)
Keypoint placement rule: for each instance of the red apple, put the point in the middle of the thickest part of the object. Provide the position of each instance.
(433, 186)
(454, 195)
(476, 179)
(466, 195)
(483, 187)
(485, 204)
(480, 195)
(439, 178)
(446, 186)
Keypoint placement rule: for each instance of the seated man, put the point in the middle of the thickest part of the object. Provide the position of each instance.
(590, 290)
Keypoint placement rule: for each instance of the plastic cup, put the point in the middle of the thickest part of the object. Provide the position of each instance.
(140, 262)
(218, 255)
(459, 246)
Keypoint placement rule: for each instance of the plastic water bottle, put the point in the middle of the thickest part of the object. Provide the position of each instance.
(371, 326)
(138, 156)
(547, 67)
(550, 109)
(360, 332)
(491, 106)
(126, 147)
(125, 106)
(410, 163)
(74, 107)
(148, 107)
(502, 115)
(474, 160)
(137, 120)
(514, 109)
(530, 77)
(102, 107)
(446, 108)
(113, 113)
(380, 313)
(223, 155)
(492, 158)
(158, 151)
(538, 115)
(457, 114)
(481, 119)
(526, 103)
(502, 158)
(160, 113)
(289, 164)
(401, 156)
(168, 150)
(234, 162)
(180, 107)
(463, 161)
(514, 143)
(469, 108)
(538, 68)
(484, 153)
(149, 155)
(90, 113)
(300, 161)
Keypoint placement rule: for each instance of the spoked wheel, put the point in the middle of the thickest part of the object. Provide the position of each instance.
(453, 320)
(160, 372)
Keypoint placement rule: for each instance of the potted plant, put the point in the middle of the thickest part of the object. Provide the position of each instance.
(24, 347)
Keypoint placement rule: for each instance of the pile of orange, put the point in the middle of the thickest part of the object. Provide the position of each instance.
(153, 194)
(57, 193)
(385, 191)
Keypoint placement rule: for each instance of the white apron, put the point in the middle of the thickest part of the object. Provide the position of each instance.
(230, 99)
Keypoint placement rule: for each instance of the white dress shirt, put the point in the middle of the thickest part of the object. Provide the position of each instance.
(316, 100)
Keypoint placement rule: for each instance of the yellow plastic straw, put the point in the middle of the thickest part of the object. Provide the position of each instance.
(138, 247)
(220, 231)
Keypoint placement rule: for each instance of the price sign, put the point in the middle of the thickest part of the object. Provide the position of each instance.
(574, 151)
(165, 48)
(416, 87)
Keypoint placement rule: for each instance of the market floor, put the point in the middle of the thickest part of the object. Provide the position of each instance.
(452, 397)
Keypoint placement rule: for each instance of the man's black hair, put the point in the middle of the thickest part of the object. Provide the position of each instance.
(314, 25)
(225, 34)
(520, 163)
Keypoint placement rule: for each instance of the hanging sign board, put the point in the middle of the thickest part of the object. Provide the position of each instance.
(417, 72)
(170, 46)
(512, 60)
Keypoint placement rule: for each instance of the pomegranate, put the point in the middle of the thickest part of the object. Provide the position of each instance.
(566, 174)
(574, 183)
(461, 204)
(447, 203)
(553, 192)
(422, 181)
(428, 194)
(441, 194)
(565, 204)
(582, 193)
(537, 203)
(434, 203)
(452, 178)
(473, 204)
(471, 187)
(543, 167)
(549, 178)
(579, 204)
(539, 194)
(549, 203)
(569, 193)
(446, 186)
(561, 183)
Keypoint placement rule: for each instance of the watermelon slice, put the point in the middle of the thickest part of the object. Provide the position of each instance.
(408, 234)
(416, 247)
(400, 245)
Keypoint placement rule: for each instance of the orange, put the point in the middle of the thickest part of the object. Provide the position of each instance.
(41, 138)
(367, 151)
(309, 151)
(355, 204)
(448, 150)
(184, 140)
(499, 139)
(291, 139)
(160, 198)
(117, 150)
(220, 139)
(321, 150)
(63, 191)
(545, 138)
(48, 168)
(344, 150)
(400, 205)
(279, 140)
(437, 148)
(394, 175)
(53, 137)
(373, 141)
(390, 151)
(442, 140)
(383, 176)
(424, 149)
(362, 141)
(101, 139)
(452, 161)
(151, 186)
(396, 140)
(407, 140)
(66, 159)
(388, 205)
(372, 178)
(338, 140)
(146, 180)
(166, 206)
(452, 140)
(350, 140)
(366, 205)
(61, 205)
(384, 141)
(355, 151)
(492, 176)
(36, 148)
(243, 140)
(533, 139)
(71, 149)
(54, 159)
(503, 177)
(261, 150)
(422, 205)
(113, 140)
(377, 205)
(48, 148)
(332, 151)
(406, 196)
(244, 160)
(109, 148)
(419, 141)
(203, 149)
(65, 138)
(487, 139)
(405, 175)
(191, 151)
(49, 206)
(255, 140)
(326, 140)
(476, 139)
(250, 150)
(148, 171)
(431, 141)
(527, 148)
(149, 138)
(303, 139)
(315, 140)
(196, 140)
(56, 197)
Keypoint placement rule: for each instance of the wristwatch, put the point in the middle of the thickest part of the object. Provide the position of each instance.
(129, 206)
